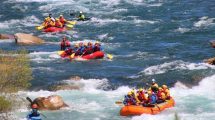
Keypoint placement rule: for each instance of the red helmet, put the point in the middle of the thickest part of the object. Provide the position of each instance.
(34, 106)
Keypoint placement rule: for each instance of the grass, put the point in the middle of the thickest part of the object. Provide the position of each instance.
(15, 75)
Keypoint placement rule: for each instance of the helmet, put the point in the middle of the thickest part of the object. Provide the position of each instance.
(76, 45)
(80, 12)
(57, 19)
(97, 42)
(85, 44)
(153, 80)
(149, 92)
(61, 15)
(132, 91)
(89, 43)
(160, 88)
(129, 93)
(64, 37)
(164, 86)
(81, 43)
(34, 106)
(141, 89)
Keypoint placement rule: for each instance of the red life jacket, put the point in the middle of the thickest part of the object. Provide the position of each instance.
(67, 43)
(159, 94)
(90, 49)
(63, 43)
(58, 24)
(62, 20)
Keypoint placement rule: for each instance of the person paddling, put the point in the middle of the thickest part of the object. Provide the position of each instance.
(97, 47)
(62, 20)
(34, 115)
(81, 16)
(64, 43)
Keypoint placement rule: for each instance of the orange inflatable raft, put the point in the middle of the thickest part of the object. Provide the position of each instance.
(138, 110)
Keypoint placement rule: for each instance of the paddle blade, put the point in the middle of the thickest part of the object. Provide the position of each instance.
(72, 22)
(72, 56)
(109, 56)
(69, 26)
(60, 52)
(40, 27)
(118, 102)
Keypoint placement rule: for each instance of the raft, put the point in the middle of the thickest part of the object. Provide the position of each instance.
(54, 29)
(95, 55)
(138, 110)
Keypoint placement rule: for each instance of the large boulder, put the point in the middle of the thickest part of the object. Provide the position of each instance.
(53, 102)
(27, 39)
(6, 36)
(210, 61)
(212, 43)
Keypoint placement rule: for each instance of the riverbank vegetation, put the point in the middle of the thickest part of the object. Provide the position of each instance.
(15, 75)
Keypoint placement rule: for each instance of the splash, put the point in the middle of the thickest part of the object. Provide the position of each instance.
(175, 65)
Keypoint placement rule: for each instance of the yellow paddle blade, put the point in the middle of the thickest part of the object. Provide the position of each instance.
(69, 26)
(72, 22)
(60, 52)
(72, 56)
(40, 27)
(109, 56)
(118, 102)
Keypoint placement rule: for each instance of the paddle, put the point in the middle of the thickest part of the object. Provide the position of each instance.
(29, 99)
(71, 22)
(40, 27)
(60, 52)
(109, 56)
(69, 25)
(118, 102)
(72, 56)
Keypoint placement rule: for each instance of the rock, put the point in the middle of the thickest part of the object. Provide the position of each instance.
(212, 43)
(76, 78)
(210, 61)
(71, 84)
(27, 39)
(53, 102)
(63, 86)
(179, 84)
(6, 36)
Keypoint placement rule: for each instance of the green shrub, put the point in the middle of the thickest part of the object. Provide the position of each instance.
(5, 105)
(15, 71)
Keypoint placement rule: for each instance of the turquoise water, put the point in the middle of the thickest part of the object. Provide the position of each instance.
(165, 40)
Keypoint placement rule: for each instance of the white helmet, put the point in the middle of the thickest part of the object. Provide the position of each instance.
(153, 80)
(81, 12)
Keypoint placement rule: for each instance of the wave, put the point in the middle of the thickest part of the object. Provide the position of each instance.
(27, 21)
(182, 30)
(191, 103)
(175, 65)
(40, 57)
(204, 22)
(93, 100)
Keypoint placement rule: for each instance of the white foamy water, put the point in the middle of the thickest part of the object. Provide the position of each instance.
(175, 65)
(93, 102)
(182, 30)
(27, 21)
(40, 57)
(204, 22)
(195, 103)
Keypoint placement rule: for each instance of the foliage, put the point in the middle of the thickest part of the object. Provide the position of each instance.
(15, 71)
(5, 105)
